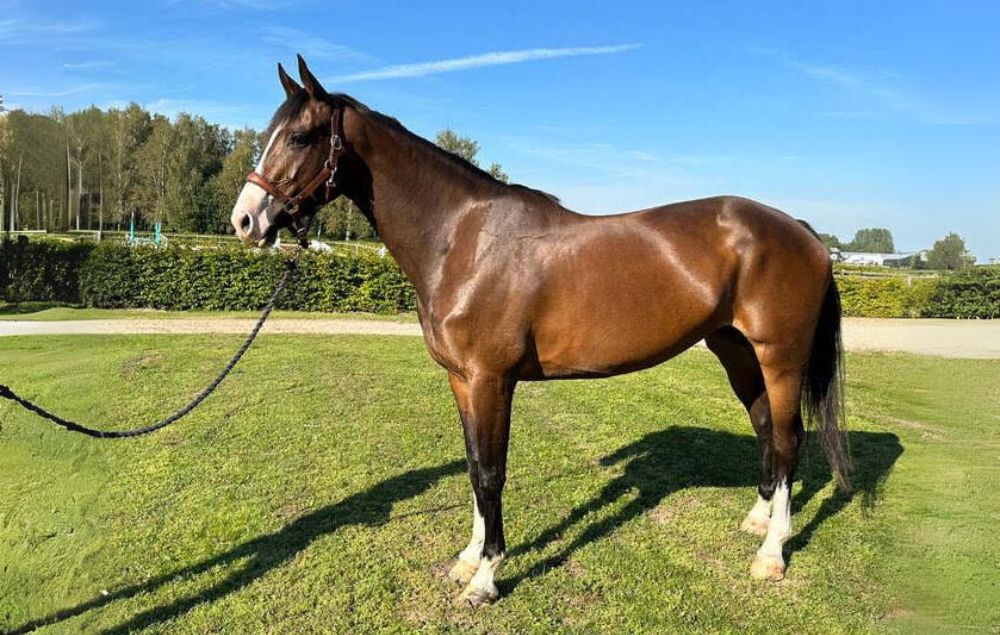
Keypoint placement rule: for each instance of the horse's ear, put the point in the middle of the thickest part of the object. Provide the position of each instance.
(289, 84)
(313, 87)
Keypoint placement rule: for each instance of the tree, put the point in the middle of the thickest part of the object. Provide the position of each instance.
(39, 143)
(226, 185)
(342, 219)
(129, 130)
(949, 253)
(5, 148)
(62, 170)
(153, 158)
(830, 241)
(93, 129)
(465, 147)
(873, 239)
(468, 149)
(196, 152)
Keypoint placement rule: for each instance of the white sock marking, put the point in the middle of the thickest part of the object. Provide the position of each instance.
(474, 551)
(761, 510)
(780, 527)
(485, 574)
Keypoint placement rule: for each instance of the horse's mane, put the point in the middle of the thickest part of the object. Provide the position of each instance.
(295, 104)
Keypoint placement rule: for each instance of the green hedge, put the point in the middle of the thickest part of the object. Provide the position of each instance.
(41, 270)
(969, 293)
(113, 275)
(972, 293)
(889, 297)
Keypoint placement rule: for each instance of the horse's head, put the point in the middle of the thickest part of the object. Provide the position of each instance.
(293, 176)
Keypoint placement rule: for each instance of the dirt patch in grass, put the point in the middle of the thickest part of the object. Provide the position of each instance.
(133, 365)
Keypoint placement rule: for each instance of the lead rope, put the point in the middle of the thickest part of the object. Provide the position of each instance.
(7, 393)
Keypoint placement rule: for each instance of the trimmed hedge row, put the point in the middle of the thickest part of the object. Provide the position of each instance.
(969, 293)
(889, 297)
(113, 275)
(972, 293)
(41, 270)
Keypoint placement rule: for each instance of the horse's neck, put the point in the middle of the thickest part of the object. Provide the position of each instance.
(415, 197)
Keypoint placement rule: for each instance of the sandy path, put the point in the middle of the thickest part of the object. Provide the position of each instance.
(947, 338)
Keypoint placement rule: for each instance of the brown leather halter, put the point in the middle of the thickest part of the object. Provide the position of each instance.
(327, 176)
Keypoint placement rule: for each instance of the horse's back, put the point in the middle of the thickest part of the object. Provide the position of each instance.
(628, 291)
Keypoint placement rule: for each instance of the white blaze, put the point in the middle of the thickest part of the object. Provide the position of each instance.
(267, 148)
(253, 199)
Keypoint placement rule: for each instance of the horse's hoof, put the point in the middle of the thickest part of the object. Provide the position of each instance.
(475, 596)
(767, 568)
(463, 571)
(754, 525)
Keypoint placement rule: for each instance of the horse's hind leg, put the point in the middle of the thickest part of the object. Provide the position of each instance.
(745, 376)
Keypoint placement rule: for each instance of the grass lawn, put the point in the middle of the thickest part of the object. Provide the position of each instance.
(323, 489)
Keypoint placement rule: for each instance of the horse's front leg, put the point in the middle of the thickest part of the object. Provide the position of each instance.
(468, 559)
(484, 402)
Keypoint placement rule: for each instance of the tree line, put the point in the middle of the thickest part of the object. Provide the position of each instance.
(95, 169)
(103, 169)
(947, 253)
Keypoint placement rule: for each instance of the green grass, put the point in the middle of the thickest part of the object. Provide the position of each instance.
(49, 312)
(323, 489)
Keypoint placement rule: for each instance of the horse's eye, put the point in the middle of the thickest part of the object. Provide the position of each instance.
(299, 139)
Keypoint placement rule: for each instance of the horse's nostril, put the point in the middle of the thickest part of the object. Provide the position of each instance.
(246, 223)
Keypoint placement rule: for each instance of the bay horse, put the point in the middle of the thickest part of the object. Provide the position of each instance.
(512, 286)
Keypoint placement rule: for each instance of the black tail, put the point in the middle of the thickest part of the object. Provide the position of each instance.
(822, 390)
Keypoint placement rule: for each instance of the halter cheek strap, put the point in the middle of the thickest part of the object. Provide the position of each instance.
(291, 205)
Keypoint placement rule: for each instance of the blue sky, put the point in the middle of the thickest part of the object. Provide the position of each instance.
(847, 114)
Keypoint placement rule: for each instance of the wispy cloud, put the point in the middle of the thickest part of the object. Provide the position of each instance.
(61, 92)
(877, 93)
(16, 30)
(81, 66)
(495, 58)
(264, 5)
(311, 45)
(227, 114)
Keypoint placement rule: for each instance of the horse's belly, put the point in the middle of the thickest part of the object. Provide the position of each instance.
(605, 340)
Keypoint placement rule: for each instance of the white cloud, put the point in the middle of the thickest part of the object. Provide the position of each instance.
(495, 58)
(79, 66)
(258, 5)
(16, 30)
(231, 116)
(311, 46)
(878, 94)
(62, 92)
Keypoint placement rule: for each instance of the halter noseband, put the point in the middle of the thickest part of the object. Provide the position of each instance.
(327, 176)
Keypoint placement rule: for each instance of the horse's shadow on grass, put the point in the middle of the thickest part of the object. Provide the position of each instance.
(655, 466)
(665, 462)
(265, 553)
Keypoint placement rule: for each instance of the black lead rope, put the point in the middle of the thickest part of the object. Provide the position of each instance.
(7, 393)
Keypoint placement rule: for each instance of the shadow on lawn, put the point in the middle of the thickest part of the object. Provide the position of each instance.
(665, 462)
(25, 308)
(370, 507)
(656, 466)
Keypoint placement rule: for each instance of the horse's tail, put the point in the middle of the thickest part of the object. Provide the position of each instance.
(823, 388)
